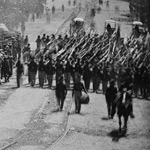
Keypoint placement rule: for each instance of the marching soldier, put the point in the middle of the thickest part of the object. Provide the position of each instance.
(59, 69)
(19, 71)
(77, 92)
(68, 74)
(61, 92)
(63, 7)
(32, 67)
(87, 76)
(38, 43)
(43, 39)
(95, 78)
(111, 93)
(53, 10)
(105, 78)
(49, 72)
(41, 69)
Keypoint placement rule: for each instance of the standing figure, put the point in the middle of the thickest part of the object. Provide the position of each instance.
(43, 40)
(26, 40)
(69, 2)
(77, 92)
(32, 71)
(41, 70)
(63, 7)
(26, 53)
(1, 61)
(107, 4)
(47, 39)
(74, 3)
(61, 92)
(48, 17)
(6, 69)
(19, 71)
(38, 41)
(23, 28)
(59, 69)
(68, 73)
(53, 9)
(105, 78)
(110, 95)
(33, 17)
(93, 12)
(49, 72)
(116, 9)
(87, 74)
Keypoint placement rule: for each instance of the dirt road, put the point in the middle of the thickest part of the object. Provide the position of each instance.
(32, 110)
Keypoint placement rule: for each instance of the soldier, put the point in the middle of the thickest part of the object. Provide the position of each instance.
(6, 69)
(26, 40)
(95, 78)
(59, 69)
(49, 72)
(43, 40)
(63, 7)
(105, 78)
(113, 73)
(87, 76)
(48, 17)
(1, 60)
(69, 2)
(19, 71)
(136, 80)
(144, 82)
(77, 92)
(38, 42)
(53, 9)
(68, 73)
(61, 92)
(107, 4)
(23, 27)
(41, 70)
(74, 3)
(78, 67)
(33, 17)
(93, 12)
(32, 67)
(47, 39)
(110, 95)
(26, 53)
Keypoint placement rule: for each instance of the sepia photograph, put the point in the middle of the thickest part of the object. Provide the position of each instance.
(74, 74)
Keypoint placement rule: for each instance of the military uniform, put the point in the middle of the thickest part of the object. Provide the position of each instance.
(110, 95)
(41, 70)
(61, 92)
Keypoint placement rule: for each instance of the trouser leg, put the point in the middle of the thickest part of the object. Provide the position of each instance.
(18, 80)
(62, 103)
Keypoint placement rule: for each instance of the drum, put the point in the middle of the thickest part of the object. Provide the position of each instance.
(85, 99)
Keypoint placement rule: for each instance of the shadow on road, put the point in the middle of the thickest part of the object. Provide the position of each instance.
(116, 135)
(81, 113)
(105, 118)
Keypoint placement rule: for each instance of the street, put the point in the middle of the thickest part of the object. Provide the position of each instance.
(29, 117)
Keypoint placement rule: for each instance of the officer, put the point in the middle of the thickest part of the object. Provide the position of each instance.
(61, 92)
(32, 67)
(49, 72)
(41, 70)
(110, 95)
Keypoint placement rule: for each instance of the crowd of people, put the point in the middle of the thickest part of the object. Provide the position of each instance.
(53, 59)
(10, 50)
(14, 13)
(91, 58)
